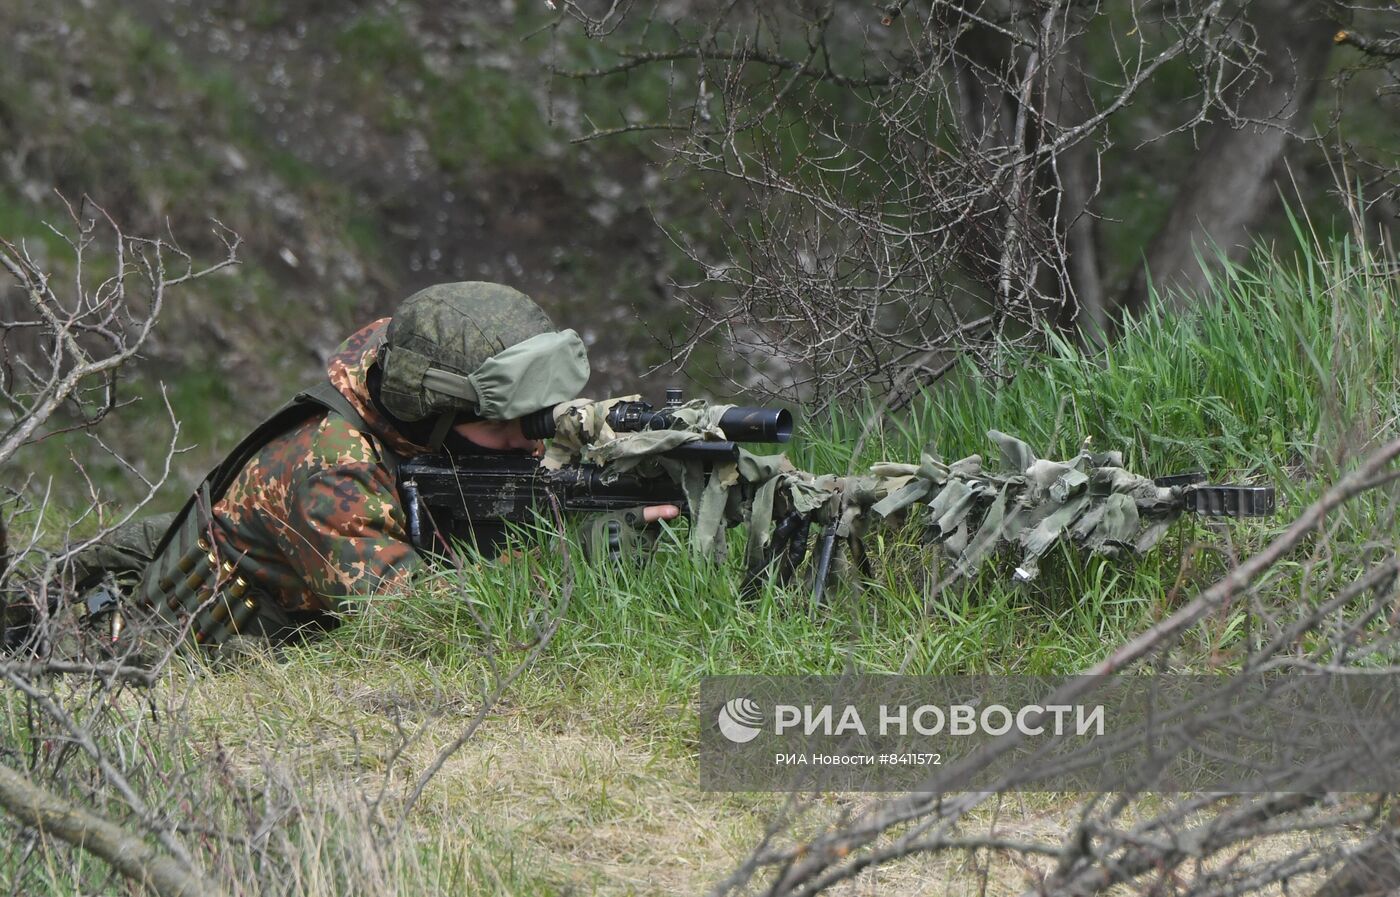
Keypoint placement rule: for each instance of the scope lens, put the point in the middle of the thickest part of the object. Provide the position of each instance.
(757, 424)
(782, 426)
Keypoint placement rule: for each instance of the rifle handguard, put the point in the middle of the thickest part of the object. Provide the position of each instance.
(1231, 501)
(473, 500)
(1221, 501)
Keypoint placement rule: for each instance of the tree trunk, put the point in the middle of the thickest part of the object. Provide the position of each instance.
(1074, 185)
(1232, 182)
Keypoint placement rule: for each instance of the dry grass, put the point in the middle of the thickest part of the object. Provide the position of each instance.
(550, 796)
(561, 793)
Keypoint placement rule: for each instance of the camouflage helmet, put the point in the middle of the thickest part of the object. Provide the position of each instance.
(477, 348)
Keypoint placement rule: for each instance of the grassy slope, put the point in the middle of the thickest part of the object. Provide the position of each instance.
(391, 148)
(332, 133)
(583, 779)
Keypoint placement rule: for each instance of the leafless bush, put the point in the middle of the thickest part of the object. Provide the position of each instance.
(62, 346)
(103, 752)
(907, 182)
(64, 343)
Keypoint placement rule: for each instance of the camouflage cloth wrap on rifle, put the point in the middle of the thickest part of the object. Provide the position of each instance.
(1027, 504)
(582, 434)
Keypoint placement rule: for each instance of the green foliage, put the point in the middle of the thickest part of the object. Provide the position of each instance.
(483, 117)
(378, 44)
(1284, 361)
(1286, 371)
(1283, 374)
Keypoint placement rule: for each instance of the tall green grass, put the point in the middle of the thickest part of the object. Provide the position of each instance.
(1284, 371)
(1287, 361)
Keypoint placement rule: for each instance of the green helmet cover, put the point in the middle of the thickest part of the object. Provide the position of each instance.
(481, 348)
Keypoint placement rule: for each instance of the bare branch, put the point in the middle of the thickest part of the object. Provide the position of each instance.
(129, 855)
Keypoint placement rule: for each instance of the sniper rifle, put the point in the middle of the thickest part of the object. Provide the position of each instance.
(620, 454)
(474, 497)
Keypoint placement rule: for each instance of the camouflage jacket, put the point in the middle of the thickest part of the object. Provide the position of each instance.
(315, 515)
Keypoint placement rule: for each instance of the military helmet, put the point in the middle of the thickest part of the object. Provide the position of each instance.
(482, 349)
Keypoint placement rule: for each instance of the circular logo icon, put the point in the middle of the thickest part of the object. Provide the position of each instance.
(740, 720)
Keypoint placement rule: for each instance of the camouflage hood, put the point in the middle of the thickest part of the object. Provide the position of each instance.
(349, 370)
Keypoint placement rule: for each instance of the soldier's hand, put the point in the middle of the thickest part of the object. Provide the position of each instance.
(660, 512)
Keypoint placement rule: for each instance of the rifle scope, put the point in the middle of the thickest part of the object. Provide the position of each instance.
(739, 424)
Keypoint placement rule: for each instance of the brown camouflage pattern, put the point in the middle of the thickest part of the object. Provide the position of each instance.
(315, 516)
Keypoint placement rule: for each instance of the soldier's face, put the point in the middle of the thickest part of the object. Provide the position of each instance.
(500, 435)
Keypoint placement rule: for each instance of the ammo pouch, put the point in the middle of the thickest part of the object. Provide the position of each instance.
(188, 587)
(188, 581)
